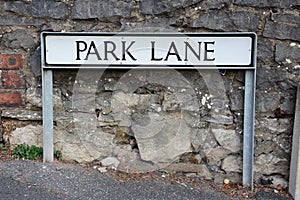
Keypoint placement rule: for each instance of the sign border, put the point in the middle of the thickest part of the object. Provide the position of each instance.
(251, 35)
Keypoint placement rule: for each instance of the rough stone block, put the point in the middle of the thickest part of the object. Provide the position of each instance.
(232, 164)
(11, 99)
(215, 156)
(227, 21)
(94, 9)
(11, 61)
(35, 62)
(265, 49)
(268, 77)
(269, 164)
(110, 162)
(215, 4)
(236, 98)
(267, 3)
(37, 8)
(228, 139)
(284, 52)
(287, 106)
(31, 135)
(281, 31)
(274, 125)
(12, 80)
(284, 17)
(162, 138)
(267, 102)
(18, 39)
(12, 20)
(164, 6)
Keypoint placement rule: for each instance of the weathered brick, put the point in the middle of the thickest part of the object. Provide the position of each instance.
(11, 99)
(12, 80)
(281, 31)
(11, 61)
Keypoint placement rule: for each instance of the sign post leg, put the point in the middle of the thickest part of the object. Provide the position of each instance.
(47, 84)
(294, 182)
(249, 110)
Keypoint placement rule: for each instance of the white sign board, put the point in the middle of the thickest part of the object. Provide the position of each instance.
(127, 50)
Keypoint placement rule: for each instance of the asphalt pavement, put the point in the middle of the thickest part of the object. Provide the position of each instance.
(35, 180)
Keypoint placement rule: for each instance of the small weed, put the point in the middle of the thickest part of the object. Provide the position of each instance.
(4, 148)
(58, 154)
(24, 151)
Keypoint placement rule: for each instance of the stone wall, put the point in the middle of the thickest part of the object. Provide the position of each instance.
(179, 120)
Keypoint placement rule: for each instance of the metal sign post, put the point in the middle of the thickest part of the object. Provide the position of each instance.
(151, 50)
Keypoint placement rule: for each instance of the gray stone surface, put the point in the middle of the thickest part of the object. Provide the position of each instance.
(31, 135)
(286, 17)
(228, 139)
(273, 125)
(163, 6)
(281, 31)
(11, 20)
(90, 9)
(37, 8)
(267, 102)
(268, 164)
(214, 157)
(163, 138)
(214, 4)
(34, 96)
(287, 105)
(232, 164)
(265, 49)
(199, 138)
(267, 3)
(284, 52)
(267, 77)
(22, 114)
(227, 21)
(151, 25)
(35, 62)
(18, 39)
(110, 162)
(235, 97)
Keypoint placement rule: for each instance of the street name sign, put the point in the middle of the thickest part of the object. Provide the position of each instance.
(129, 50)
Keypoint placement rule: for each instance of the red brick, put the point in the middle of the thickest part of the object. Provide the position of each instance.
(11, 61)
(11, 99)
(12, 80)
